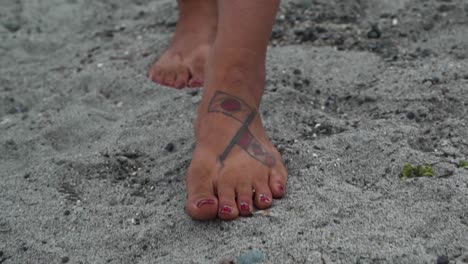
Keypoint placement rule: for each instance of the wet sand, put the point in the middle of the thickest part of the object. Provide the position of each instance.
(93, 155)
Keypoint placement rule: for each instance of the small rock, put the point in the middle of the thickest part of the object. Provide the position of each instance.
(297, 72)
(374, 33)
(1, 253)
(446, 8)
(306, 35)
(251, 257)
(193, 92)
(443, 260)
(12, 26)
(428, 26)
(196, 99)
(66, 213)
(169, 147)
(410, 115)
(65, 259)
(135, 221)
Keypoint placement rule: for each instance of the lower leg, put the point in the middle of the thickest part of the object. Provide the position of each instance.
(234, 159)
(183, 62)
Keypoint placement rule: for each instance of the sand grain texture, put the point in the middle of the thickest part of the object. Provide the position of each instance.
(87, 176)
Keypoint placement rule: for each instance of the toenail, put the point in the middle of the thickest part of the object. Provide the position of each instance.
(225, 209)
(197, 83)
(264, 198)
(245, 207)
(205, 202)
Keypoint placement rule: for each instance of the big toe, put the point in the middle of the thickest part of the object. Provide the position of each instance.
(201, 203)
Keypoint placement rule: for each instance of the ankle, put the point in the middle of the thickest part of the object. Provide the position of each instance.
(238, 76)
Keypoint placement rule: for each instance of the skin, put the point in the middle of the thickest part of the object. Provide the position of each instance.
(234, 167)
(183, 63)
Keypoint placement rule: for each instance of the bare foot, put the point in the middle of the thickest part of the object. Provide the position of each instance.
(183, 62)
(234, 166)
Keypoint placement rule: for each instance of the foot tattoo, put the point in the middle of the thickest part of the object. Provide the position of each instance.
(236, 108)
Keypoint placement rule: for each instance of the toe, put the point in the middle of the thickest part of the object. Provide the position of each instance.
(227, 202)
(277, 183)
(202, 203)
(196, 79)
(182, 77)
(244, 199)
(155, 74)
(263, 197)
(169, 78)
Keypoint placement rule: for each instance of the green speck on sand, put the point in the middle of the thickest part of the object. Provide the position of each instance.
(251, 257)
(412, 171)
(463, 164)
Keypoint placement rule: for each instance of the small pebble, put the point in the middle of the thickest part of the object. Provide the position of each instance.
(65, 259)
(251, 257)
(67, 212)
(135, 221)
(410, 115)
(443, 260)
(12, 26)
(169, 147)
(374, 33)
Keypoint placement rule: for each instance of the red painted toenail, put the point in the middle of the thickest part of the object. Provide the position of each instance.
(205, 202)
(244, 207)
(196, 83)
(225, 209)
(264, 198)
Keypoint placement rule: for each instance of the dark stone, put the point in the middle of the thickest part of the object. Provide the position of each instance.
(443, 260)
(169, 147)
(297, 72)
(428, 26)
(27, 175)
(67, 212)
(374, 33)
(445, 8)
(65, 259)
(193, 92)
(426, 53)
(1, 253)
(12, 26)
(297, 85)
(321, 29)
(306, 35)
(410, 115)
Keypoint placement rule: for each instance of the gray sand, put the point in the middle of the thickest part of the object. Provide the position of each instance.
(86, 178)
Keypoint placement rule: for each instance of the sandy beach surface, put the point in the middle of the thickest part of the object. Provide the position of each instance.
(93, 155)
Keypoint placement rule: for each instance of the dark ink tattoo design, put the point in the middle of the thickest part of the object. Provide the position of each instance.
(236, 108)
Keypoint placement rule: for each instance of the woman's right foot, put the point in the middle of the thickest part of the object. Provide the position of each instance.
(182, 64)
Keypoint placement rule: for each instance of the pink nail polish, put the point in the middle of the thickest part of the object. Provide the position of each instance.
(205, 202)
(225, 209)
(264, 198)
(196, 83)
(245, 207)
